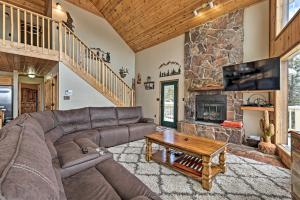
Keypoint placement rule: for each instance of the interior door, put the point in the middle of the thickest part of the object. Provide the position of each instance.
(169, 103)
(51, 94)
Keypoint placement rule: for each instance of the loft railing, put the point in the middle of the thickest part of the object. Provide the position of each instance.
(32, 33)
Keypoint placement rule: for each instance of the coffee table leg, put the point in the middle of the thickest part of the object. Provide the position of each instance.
(206, 173)
(148, 150)
(222, 161)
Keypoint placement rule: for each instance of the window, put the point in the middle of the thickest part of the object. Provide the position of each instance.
(286, 9)
(293, 7)
(294, 94)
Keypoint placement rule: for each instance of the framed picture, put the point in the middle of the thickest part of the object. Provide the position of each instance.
(139, 79)
(149, 85)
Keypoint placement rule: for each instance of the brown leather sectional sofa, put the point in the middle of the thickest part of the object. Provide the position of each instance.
(60, 155)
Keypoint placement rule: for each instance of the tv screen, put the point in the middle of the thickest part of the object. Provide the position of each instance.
(257, 75)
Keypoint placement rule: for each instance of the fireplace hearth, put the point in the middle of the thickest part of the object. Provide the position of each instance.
(211, 108)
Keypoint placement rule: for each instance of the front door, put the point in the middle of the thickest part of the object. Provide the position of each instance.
(169, 91)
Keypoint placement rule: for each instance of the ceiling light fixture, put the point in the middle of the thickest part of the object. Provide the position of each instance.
(58, 6)
(31, 75)
(205, 5)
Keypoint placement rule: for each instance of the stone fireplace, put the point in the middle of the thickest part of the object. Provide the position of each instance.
(211, 108)
(208, 48)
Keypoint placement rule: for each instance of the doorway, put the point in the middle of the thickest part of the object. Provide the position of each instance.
(169, 103)
(30, 98)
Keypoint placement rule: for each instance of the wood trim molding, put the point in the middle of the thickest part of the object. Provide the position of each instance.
(288, 38)
(284, 155)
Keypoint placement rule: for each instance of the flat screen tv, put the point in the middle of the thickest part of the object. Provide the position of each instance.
(257, 75)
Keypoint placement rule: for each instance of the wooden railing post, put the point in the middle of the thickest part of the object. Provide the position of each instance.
(3, 24)
(60, 42)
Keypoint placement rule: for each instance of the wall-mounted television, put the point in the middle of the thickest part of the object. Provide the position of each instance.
(257, 75)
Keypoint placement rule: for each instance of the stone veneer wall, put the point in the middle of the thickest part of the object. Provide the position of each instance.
(208, 48)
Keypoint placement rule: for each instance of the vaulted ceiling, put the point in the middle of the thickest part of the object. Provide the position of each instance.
(145, 23)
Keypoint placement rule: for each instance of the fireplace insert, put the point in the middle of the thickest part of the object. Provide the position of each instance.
(211, 108)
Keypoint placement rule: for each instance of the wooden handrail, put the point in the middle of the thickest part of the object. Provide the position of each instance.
(93, 53)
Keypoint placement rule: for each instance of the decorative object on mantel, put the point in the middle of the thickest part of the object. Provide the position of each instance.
(123, 72)
(102, 54)
(232, 124)
(207, 87)
(258, 100)
(149, 85)
(169, 72)
(139, 79)
(268, 129)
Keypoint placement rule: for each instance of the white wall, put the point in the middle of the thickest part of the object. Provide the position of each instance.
(97, 32)
(83, 94)
(256, 47)
(147, 63)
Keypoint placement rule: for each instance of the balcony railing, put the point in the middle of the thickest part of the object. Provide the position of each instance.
(28, 33)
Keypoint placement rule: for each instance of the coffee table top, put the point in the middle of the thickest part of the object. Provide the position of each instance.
(189, 143)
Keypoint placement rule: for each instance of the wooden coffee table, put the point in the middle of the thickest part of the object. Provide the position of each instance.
(188, 154)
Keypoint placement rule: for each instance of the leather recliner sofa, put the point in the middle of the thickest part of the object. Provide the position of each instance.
(42, 155)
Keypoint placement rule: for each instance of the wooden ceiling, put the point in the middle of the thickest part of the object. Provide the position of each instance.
(145, 23)
(10, 62)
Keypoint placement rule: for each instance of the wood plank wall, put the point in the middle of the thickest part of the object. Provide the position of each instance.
(288, 38)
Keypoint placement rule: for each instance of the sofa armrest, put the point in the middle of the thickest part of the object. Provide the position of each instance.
(147, 120)
(72, 160)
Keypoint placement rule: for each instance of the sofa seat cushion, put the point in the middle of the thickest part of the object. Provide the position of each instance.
(112, 136)
(73, 120)
(129, 115)
(139, 130)
(89, 185)
(102, 117)
(91, 134)
(125, 184)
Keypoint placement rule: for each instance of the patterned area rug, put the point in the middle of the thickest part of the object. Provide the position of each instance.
(245, 179)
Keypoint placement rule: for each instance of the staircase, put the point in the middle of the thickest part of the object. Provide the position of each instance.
(53, 40)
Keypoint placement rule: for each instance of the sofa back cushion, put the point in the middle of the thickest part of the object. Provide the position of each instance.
(46, 120)
(26, 167)
(129, 115)
(101, 117)
(73, 120)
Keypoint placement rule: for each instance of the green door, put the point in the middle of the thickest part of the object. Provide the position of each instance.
(169, 102)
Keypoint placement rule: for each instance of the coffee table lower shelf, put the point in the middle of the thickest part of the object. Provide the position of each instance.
(169, 160)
